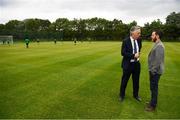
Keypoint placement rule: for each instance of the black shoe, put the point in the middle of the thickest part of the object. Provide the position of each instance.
(148, 104)
(150, 108)
(121, 99)
(138, 98)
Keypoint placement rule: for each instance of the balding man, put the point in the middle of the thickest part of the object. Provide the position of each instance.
(130, 51)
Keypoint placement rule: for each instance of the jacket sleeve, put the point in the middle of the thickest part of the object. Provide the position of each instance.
(124, 51)
(140, 44)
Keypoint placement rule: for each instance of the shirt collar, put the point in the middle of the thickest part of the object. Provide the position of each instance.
(132, 39)
(158, 42)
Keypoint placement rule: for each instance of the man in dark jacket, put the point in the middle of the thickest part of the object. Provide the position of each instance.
(130, 51)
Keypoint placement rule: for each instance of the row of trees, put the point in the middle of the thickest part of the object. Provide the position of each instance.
(87, 29)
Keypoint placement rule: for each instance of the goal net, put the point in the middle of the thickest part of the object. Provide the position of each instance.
(6, 39)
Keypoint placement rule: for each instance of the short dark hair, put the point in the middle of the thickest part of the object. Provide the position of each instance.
(158, 32)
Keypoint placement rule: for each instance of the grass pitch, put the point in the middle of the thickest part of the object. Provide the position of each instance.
(81, 81)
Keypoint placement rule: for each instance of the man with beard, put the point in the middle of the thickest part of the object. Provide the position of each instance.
(156, 68)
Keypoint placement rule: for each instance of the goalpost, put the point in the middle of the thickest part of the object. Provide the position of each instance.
(6, 39)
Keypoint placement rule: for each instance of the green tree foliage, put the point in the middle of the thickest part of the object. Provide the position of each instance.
(172, 26)
(87, 29)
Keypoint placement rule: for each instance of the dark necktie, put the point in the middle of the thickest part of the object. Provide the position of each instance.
(135, 49)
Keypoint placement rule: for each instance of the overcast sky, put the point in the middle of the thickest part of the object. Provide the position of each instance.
(142, 11)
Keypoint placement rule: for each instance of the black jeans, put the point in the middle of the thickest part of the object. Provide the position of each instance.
(154, 80)
(134, 69)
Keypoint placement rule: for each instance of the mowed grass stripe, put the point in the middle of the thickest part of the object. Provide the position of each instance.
(41, 81)
(81, 82)
(43, 70)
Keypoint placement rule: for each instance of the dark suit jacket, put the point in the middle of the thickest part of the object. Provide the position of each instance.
(127, 52)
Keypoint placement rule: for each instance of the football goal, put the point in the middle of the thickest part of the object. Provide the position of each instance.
(6, 39)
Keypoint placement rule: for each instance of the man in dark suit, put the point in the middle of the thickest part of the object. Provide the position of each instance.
(130, 51)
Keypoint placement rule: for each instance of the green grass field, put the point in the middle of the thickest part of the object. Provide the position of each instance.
(81, 81)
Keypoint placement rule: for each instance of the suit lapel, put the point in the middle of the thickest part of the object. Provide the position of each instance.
(130, 44)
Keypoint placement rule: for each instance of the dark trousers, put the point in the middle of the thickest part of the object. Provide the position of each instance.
(134, 69)
(154, 80)
(27, 45)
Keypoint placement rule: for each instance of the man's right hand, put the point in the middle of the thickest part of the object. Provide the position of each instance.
(137, 55)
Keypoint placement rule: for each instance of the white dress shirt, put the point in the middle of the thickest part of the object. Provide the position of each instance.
(137, 47)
